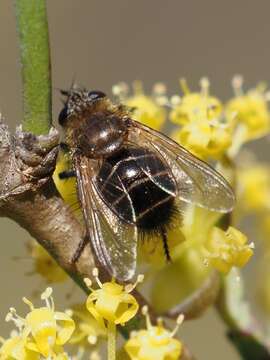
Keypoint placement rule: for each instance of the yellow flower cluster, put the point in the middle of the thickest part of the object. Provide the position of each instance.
(228, 248)
(205, 130)
(252, 113)
(146, 109)
(154, 342)
(43, 332)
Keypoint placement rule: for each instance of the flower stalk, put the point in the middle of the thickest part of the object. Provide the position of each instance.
(111, 344)
(33, 35)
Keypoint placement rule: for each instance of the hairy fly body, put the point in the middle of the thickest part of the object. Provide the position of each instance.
(131, 179)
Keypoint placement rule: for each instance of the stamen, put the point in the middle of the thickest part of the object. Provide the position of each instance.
(131, 287)
(95, 273)
(137, 87)
(120, 90)
(88, 283)
(160, 322)
(95, 356)
(92, 339)
(179, 322)
(147, 317)
(266, 96)
(13, 316)
(237, 84)
(47, 297)
(28, 302)
(175, 100)
(69, 312)
(162, 101)
(159, 89)
(184, 86)
(205, 84)
(133, 333)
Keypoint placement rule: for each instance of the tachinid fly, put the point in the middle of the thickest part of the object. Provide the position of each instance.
(131, 179)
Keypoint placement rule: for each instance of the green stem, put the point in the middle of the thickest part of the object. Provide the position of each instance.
(32, 26)
(111, 341)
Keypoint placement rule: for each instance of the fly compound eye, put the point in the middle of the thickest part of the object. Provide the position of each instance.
(63, 115)
(96, 95)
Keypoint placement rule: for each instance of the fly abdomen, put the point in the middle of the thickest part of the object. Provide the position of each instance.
(134, 194)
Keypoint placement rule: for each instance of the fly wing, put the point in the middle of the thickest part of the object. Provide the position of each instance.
(197, 182)
(114, 242)
(150, 162)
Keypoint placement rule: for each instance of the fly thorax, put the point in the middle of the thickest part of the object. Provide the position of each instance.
(100, 135)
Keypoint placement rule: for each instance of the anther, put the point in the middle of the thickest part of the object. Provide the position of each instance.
(95, 273)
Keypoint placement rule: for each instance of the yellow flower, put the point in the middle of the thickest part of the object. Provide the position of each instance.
(146, 109)
(111, 305)
(205, 139)
(254, 188)
(45, 329)
(112, 302)
(204, 131)
(88, 330)
(155, 342)
(252, 114)
(195, 106)
(15, 348)
(226, 249)
(45, 265)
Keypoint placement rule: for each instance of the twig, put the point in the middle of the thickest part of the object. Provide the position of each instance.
(199, 301)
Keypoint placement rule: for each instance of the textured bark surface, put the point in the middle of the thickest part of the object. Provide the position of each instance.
(28, 196)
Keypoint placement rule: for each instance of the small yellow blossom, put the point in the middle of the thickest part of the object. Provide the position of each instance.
(112, 302)
(196, 105)
(16, 348)
(155, 342)
(146, 109)
(45, 265)
(227, 249)
(205, 139)
(204, 130)
(251, 109)
(254, 188)
(110, 305)
(45, 329)
(88, 330)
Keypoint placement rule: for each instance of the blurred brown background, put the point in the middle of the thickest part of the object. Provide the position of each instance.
(100, 43)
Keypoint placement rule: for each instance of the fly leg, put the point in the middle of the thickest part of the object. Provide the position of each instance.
(165, 245)
(84, 241)
(67, 174)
